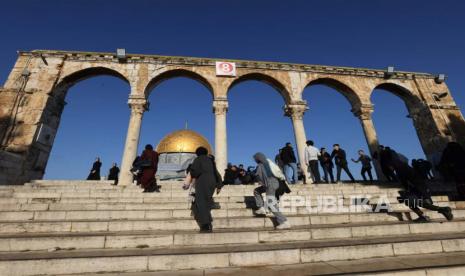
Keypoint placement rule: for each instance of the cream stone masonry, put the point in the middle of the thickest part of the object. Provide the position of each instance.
(33, 98)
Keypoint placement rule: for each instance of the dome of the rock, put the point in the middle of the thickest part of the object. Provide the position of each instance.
(177, 150)
(182, 141)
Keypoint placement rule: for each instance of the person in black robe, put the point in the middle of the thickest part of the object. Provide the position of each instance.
(95, 171)
(207, 179)
(113, 174)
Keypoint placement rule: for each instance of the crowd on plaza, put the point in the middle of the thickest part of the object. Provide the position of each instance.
(273, 176)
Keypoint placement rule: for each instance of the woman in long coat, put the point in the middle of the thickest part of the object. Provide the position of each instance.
(207, 179)
(95, 171)
(269, 184)
(149, 164)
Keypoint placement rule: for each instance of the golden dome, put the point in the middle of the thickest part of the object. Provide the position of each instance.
(183, 141)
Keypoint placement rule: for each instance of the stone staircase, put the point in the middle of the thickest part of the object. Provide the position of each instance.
(79, 227)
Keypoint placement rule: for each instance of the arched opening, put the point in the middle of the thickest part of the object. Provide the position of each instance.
(330, 121)
(394, 125)
(256, 121)
(177, 73)
(264, 79)
(92, 122)
(178, 101)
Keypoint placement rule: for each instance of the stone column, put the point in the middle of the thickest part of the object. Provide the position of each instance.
(296, 113)
(364, 114)
(220, 108)
(138, 106)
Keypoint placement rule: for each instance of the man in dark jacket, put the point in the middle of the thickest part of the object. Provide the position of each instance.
(366, 165)
(385, 157)
(340, 159)
(327, 164)
(290, 163)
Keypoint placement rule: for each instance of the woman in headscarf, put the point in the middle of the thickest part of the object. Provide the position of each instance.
(269, 183)
(149, 165)
(95, 171)
(207, 179)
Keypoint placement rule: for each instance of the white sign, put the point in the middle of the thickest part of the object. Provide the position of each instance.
(224, 68)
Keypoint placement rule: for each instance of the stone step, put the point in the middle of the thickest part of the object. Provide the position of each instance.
(138, 193)
(96, 225)
(183, 211)
(236, 201)
(178, 186)
(112, 206)
(157, 239)
(434, 264)
(44, 183)
(179, 205)
(220, 256)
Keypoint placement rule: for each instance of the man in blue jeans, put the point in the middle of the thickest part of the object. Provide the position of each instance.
(290, 163)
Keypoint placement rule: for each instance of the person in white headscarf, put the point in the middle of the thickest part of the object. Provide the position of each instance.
(269, 185)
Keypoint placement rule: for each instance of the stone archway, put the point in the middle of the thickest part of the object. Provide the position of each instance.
(139, 104)
(353, 92)
(37, 84)
(293, 109)
(341, 87)
(176, 73)
(265, 78)
(427, 133)
(54, 106)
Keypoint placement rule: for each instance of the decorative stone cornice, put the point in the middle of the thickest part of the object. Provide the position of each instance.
(220, 106)
(363, 112)
(296, 110)
(194, 61)
(138, 105)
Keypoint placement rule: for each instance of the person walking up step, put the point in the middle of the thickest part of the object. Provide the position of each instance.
(269, 184)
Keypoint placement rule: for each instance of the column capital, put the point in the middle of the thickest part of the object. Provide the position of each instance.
(295, 110)
(138, 104)
(363, 112)
(220, 106)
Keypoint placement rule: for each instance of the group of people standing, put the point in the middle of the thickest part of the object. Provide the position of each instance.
(315, 157)
(238, 175)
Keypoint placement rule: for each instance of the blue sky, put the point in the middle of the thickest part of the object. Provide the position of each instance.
(425, 36)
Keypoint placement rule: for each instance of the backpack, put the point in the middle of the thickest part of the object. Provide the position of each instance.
(275, 170)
